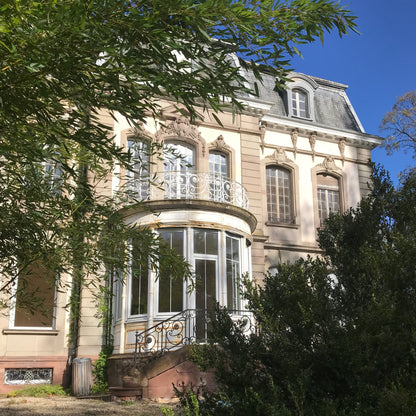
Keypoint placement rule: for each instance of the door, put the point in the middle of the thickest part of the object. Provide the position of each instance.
(205, 295)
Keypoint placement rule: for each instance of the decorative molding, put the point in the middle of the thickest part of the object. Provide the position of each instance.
(137, 132)
(220, 145)
(262, 128)
(294, 136)
(279, 156)
(329, 165)
(181, 127)
(341, 146)
(312, 142)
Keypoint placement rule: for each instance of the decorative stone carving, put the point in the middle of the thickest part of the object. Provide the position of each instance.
(181, 128)
(279, 156)
(262, 128)
(294, 137)
(220, 145)
(329, 164)
(312, 142)
(341, 146)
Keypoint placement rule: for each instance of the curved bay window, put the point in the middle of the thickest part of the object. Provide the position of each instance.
(217, 258)
(279, 195)
(328, 196)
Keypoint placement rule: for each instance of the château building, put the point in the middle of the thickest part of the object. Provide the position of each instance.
(232, 199)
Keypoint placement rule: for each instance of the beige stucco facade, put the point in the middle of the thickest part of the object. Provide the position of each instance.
(254, 144)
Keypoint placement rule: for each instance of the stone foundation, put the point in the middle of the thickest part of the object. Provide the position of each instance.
(159, 374)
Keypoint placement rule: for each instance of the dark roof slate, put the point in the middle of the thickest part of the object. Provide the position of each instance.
(331, 107)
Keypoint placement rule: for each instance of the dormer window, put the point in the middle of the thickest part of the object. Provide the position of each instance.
(300, 103)
(299, 97)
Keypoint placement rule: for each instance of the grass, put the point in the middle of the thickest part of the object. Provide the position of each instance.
(41, 390)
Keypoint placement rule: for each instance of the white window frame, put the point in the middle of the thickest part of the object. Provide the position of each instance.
(189, 300)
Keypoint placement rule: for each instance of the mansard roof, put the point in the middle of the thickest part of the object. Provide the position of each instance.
(329, 102)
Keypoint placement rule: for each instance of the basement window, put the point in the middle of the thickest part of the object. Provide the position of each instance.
(20, 376)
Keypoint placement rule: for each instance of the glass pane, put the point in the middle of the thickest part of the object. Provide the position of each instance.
(205, 241)
(205, 271)
(138, 178)
(233, 273)
(199, 241)
(171, 289)
(211, 242)
(139, 280)
(279, 194)
(299, 103)
(35, 297)
(178, 157)
(218, 163)
(204, 295)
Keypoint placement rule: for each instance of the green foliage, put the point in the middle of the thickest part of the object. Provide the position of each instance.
(63, 65)
(127, 402)
(43, 390)
(189, 403)
(167, 411)
(100, 371)
(336, 334)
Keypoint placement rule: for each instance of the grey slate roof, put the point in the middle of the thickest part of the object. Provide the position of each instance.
(331, 107)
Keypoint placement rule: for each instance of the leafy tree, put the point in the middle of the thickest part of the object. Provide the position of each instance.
(63, 62)
(336, 334)
(400, 125)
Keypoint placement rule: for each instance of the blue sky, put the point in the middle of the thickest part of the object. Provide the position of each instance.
(379, 65)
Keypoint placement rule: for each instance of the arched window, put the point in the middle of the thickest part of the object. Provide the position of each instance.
(138, 177)
(179, 157)
(328, 196)
(218, 164)
(219, 170)
(300, 106)
(179, 170)
(279, 195)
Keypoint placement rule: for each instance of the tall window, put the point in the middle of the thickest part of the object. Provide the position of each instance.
(170, 289)
(233, 273)
(219, 185)
(35, 297)
(328, 196)
(279, 195)
(138, 178)
(139, 279)
(179, 164)
(217, 258)
(218, 164)
(300, 103)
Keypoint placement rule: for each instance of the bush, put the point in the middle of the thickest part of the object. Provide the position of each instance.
(100, 372)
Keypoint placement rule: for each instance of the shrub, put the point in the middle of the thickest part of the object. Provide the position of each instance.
(42, 390)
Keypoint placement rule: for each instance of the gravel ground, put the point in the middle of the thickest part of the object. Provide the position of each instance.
(70, 406)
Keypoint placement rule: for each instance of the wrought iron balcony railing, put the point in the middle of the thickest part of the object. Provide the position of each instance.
(188, 185)
(187, 327)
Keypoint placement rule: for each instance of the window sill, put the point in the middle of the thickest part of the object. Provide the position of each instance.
(281, 224)
(52, 332)
(302, 118)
